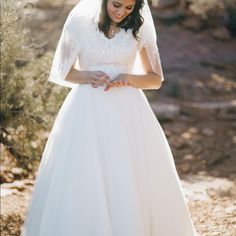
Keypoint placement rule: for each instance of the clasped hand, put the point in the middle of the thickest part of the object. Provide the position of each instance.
(99, 78)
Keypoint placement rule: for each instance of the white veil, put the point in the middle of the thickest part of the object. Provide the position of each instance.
(66, 53)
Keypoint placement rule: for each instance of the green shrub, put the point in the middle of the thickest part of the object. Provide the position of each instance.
(29, 102)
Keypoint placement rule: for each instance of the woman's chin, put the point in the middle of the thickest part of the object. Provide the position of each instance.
(116, 20)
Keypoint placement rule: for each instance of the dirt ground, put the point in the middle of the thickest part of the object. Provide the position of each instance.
(200, 83)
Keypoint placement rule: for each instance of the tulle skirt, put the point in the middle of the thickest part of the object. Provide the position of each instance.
(107, 170)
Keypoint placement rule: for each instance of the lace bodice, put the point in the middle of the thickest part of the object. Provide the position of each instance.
(113, 56)
(82, 41)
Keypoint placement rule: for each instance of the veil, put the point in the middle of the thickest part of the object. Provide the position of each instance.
(66, 54)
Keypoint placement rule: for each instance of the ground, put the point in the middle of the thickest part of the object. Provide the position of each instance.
(200, 84)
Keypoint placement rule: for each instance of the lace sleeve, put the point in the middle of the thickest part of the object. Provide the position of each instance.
(148, 40)
(65, 55)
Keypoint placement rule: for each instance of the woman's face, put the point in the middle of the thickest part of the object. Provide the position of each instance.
(118, 10)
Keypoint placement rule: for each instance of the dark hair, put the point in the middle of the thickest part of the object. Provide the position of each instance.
(133, 21)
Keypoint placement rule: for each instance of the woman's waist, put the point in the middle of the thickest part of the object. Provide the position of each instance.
(88, 89)
(111, 70)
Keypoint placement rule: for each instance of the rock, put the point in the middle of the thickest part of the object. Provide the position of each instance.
(34, 144)
(7, 192)
(219, 65)
(155, 3)
(218, 158)
(168, 10)
(7, 178)
(169, 14)
(166, 111)
(179, 143)
(29, 182)
(184, 168)
(21, 62)
(164, 3)
(194, 23)
(221, 33)
(230, 210)
(17, 172)
(193, 130)
(189, 157)
(205, 187)
(234, 139)
(18, 185)
(206, 108)
(208, 132)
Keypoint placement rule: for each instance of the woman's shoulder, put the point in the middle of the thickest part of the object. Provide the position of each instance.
(75, 22)
(77, 27)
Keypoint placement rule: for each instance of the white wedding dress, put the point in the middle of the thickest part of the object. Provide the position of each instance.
(107, 168)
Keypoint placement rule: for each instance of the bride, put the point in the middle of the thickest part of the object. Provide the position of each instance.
(107, 168)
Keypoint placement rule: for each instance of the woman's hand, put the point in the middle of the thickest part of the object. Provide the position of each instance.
(117, 82)
(97, 78)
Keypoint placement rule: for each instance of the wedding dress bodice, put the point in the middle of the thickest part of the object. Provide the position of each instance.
(82, 42)
(97, 52)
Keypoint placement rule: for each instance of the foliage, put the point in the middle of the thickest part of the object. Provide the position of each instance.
(28, 102)
(10, 49)
(230, 6)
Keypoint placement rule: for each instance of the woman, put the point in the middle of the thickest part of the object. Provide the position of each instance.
(107, 169)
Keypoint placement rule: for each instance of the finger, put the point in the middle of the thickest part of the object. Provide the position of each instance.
(97, 82)
(101, 80)
(123, 82)
(103, 74)
(107, 87)
(93, 85)
(111, 85)
(101, 83)
(105, 81)
(113, 80)
(94, 80)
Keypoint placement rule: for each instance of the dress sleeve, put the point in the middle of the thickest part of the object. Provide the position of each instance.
(65, 55)
(148, 40)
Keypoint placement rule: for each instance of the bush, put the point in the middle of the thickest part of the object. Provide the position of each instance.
(28, 102)
(230, 6)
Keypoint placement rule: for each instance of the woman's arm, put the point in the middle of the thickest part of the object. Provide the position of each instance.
(95, 78)
(150, 80)
(76, 76)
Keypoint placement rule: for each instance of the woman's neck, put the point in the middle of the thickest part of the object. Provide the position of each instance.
(114, 24)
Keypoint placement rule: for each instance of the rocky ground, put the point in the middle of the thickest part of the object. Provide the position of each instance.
(196, 107)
